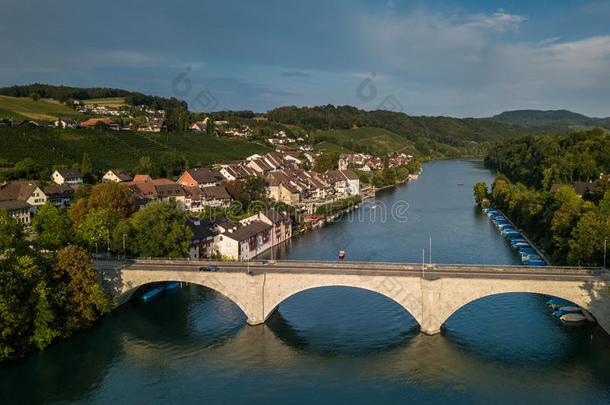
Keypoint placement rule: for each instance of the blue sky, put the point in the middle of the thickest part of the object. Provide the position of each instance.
(467, 58)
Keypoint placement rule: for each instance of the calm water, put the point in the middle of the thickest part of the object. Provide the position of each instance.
(338, 345)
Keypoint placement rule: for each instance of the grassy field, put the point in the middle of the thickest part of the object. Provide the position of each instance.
(109, 101)
(373, 140)
(117, 149)
(26, 108)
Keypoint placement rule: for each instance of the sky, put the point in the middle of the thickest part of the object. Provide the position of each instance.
(453, 58)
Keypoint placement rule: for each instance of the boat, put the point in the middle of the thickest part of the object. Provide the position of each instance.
(149, 295)
(556, 302)
(573, 318)
(341, 254)
(172, 285)
(460, 184)
(526, 249)
(566, 310)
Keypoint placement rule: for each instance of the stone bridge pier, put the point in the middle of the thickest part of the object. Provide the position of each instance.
(431, 300)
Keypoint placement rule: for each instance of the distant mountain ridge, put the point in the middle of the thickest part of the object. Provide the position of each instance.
(549, 117)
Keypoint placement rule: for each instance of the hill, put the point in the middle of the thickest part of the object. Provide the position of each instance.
(431, 136)
(21, 108)
(117, 149)
(367, 139)
(550, 117)
(65, 93)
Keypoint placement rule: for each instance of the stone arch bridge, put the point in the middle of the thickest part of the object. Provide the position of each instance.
(431, 293)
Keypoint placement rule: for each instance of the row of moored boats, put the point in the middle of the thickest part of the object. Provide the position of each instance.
(568, 312)
(529, 255)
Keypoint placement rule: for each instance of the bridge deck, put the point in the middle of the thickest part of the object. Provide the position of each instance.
(371, 269)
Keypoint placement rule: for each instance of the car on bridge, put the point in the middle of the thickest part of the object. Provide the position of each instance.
(208, 268)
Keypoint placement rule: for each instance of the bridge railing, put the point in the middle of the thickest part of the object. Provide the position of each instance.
(346, 265)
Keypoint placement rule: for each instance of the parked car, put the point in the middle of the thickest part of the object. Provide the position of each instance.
(208, 268)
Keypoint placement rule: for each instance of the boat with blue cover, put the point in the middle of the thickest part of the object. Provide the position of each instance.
(567, 310)
(536, 263)
(526, 249)
(556, 303)
(151, 294)
(172, 285)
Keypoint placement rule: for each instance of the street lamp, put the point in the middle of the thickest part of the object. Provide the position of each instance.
(605, 243)
(124, 251)
(108, 242)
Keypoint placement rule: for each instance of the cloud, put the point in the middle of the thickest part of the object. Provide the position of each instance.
(500, 21)
(478, 62)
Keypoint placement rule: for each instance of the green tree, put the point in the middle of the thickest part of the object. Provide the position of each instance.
(27, 168)
(160, 230)
(85, 169)
(585, 244)
(25, 314)
(96, 229)
(11, 233)
(53, 227)
(114, 197)
(480, 192)
(327, 161)
(564, 220)
(209, 126)
(78, 294)
(145, 165)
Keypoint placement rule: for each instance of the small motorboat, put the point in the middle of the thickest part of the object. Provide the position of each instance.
(557, 303)
(151, 294)
(341, 254)
(573, 318)
(172, 285)
(567, 310)
(460, 184)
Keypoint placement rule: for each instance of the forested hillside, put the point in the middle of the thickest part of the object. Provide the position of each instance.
(552, 117)
(541, 161)
(432, 136)
(569, 227)
(65, 93)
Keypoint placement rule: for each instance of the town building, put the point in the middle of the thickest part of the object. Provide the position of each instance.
(20, 210)
(203, 240)
(26, 191)
(244, 241)
(117, 176)
(67, 176)
(200, 177)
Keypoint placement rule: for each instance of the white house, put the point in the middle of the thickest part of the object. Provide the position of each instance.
(67, 176)
(116, 176)
(244, 241)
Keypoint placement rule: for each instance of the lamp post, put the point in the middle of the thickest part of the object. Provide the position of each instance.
(604, 265)
(108, 243)
(124, 250)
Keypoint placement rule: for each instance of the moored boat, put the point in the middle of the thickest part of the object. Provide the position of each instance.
(171, 285)
(567, 310)
(556, 302)
(149, 295)
(341, 254)
(573, 318)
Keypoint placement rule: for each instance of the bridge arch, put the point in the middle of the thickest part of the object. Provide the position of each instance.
(573, 293)
(131, 286)
(406, 299)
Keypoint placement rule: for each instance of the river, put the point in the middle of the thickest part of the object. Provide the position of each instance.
(336, 344)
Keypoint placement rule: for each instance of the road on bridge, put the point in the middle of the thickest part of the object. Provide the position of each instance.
(359, 268)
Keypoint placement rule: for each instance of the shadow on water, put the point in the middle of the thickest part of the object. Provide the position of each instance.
(342, 320)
